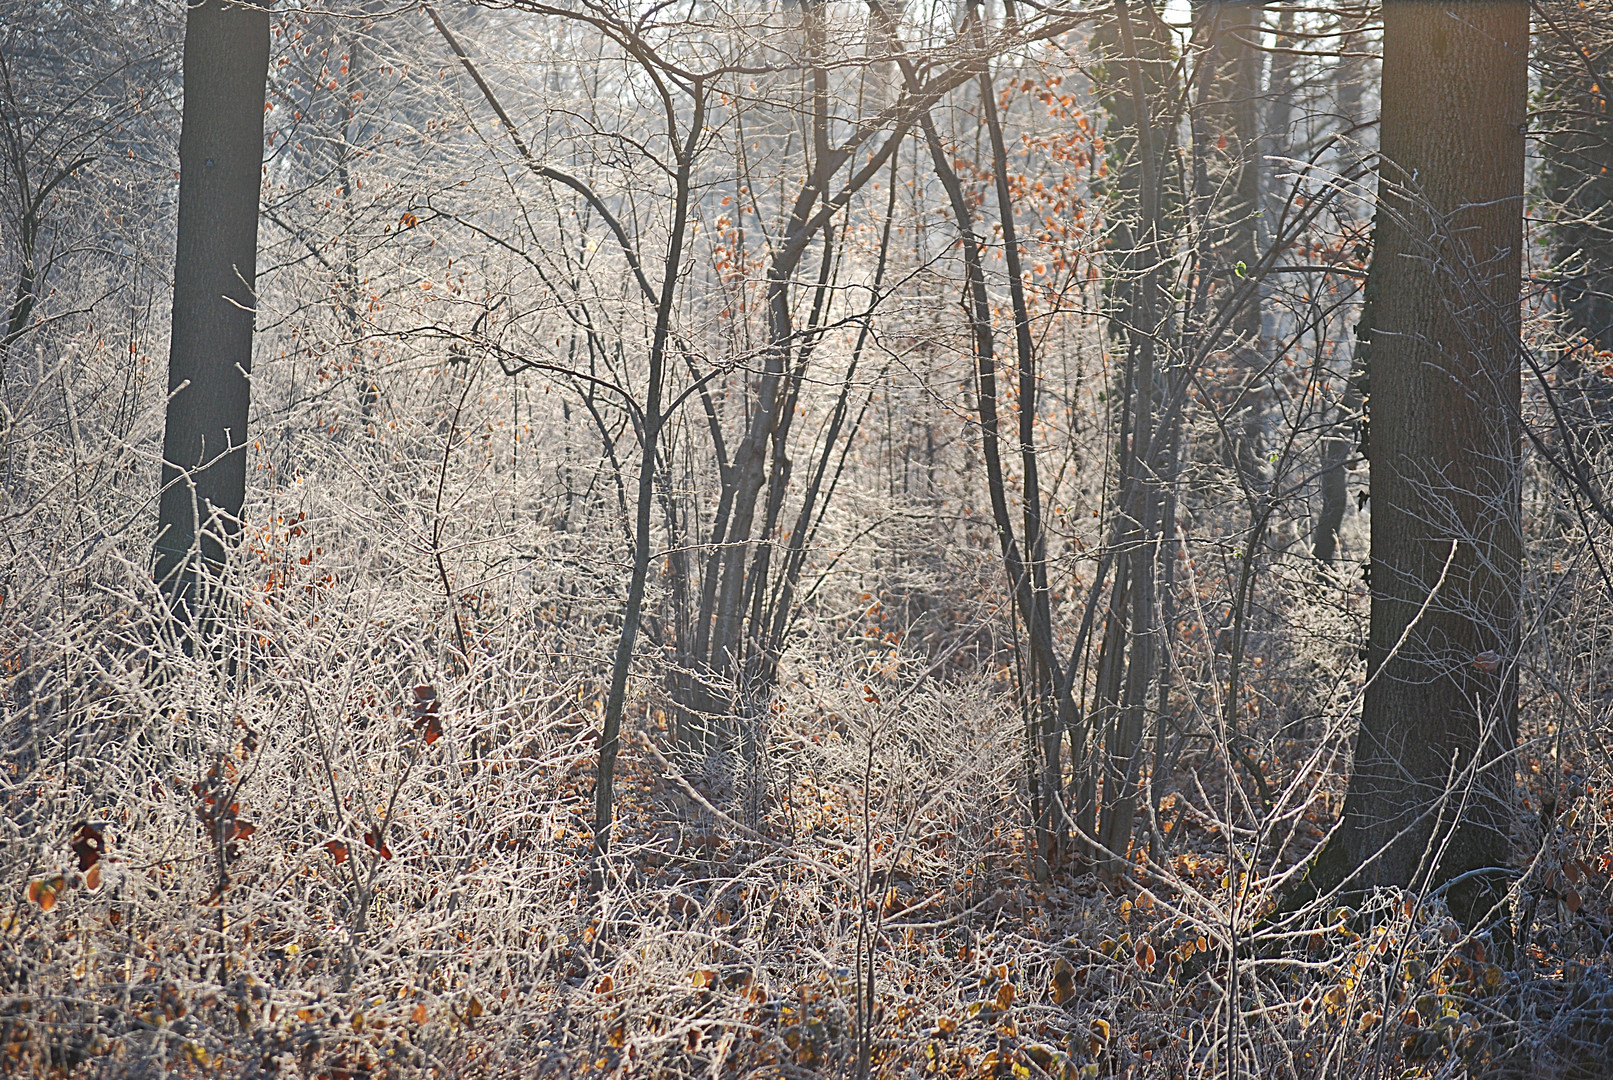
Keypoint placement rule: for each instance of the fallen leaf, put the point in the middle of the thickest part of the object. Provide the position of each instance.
(1145, 955)
(1063, 985)
(1005, 996)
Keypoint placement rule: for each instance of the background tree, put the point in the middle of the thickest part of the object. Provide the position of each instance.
(215, 300)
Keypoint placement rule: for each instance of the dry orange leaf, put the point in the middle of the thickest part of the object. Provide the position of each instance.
(1005, 995)
(45, 892)
(1145, 955)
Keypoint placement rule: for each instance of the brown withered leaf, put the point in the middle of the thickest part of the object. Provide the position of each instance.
(427, 714)
(1145, 955)
(376, 843)
(88, 842)
(1063, 983)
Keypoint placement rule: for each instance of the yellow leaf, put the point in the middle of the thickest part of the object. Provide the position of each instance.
(703, 979)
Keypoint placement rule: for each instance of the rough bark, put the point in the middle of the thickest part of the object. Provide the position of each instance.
(1429, 794)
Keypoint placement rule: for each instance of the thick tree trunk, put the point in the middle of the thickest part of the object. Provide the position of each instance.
(226, 69)
(1429, 796)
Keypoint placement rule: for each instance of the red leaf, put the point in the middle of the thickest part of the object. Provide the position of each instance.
(375, 842)
(338, 851)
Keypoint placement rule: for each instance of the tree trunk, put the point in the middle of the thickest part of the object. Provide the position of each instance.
(226, 69)
(1575, 176)
(1429, 796)
(1337, 445)
(1227, 151)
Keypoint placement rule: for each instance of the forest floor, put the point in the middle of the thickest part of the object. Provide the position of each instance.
(867, 907)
